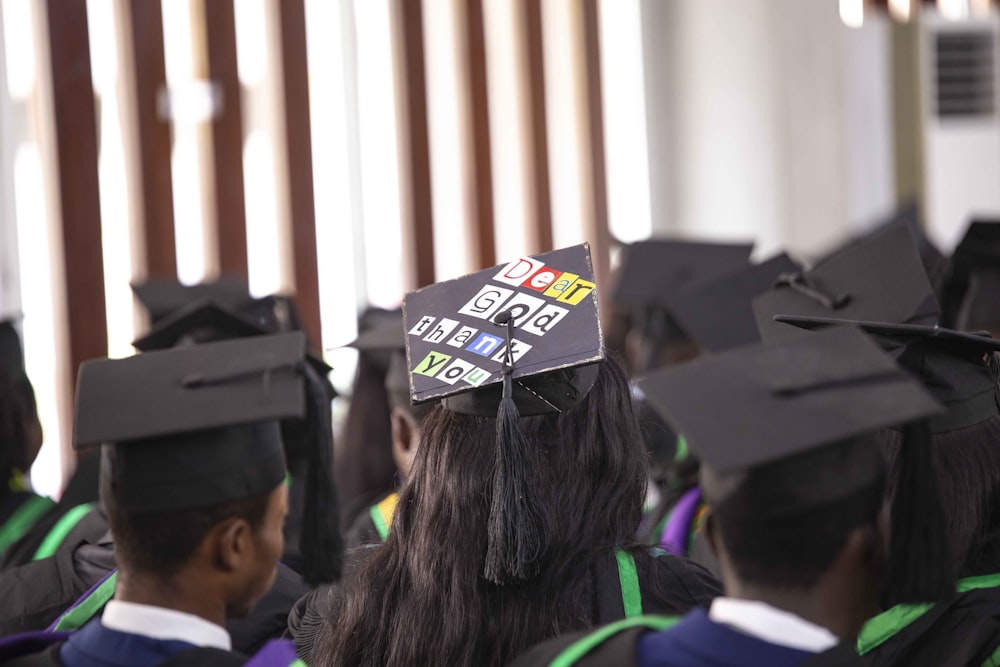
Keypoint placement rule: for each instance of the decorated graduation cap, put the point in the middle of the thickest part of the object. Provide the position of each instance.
(718, 315)
(161, 297)
(799, 414)
(515, 340)
(198, 426)
(878, 278)
(971, 290)
(958, 368)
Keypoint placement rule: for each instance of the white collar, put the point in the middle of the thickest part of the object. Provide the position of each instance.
(771, 624)
(165, 624)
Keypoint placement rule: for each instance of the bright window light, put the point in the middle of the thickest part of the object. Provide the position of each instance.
(625, 144)
(379, 153)
(19, 47)
(954, 10)
(901, 10)
(251, 30)
(263, 241)
(852, 13)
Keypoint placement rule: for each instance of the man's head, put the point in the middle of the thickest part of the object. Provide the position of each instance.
(228, 550)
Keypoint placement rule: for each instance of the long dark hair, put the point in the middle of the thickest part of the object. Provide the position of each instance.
(13, 434)
(967, 462)
(422, 598)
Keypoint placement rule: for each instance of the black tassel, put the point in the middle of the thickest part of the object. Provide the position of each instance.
(321, 543)
(516, 533)
(920, 566)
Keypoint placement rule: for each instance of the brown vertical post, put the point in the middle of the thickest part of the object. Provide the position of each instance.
(217, 55)
(479, 116)
(418, 234)
(598, 232)
(540, 232)
(79, 193)
(298, 145)
(145, 47)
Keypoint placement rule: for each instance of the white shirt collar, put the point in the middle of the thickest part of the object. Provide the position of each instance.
(165, 624)
(771, 624)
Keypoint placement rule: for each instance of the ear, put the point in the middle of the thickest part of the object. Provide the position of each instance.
(233, 543)
(405, 438)
(709, 531)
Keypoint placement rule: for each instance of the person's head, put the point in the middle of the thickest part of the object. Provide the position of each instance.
(404, 417)
(20, 431)
(832, 551)
(229, 550)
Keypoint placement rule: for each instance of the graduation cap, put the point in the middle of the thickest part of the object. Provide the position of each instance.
(958, 368)
(794, 436)
(971, 290)
(879, 278)
(203, 321)
(198, 426)
(718, 315)
(161, 297)
(11, 354)
(514, 340)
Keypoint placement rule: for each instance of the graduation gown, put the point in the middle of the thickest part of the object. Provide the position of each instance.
(694, 641)
(964, 631)
(20, 512)
(659, 584)
(37, 593)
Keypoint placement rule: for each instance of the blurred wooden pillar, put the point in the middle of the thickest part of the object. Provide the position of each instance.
(79, 191)
(299, 173)
(144, 50)
(215, 60)
(596, 184)
(415, 177)
(540, 232)
(484, 238)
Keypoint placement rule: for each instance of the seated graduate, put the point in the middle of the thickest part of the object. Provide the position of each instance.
(57, 591)
(796, 484)
(961, 371)
(972, 280)
(193, 482)
(20, 440)
(519, 517)
(372, 527)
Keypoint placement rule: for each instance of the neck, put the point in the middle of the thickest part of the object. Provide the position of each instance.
(815, 605)
(180, 593)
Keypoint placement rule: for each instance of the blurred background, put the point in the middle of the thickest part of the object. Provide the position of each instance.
(347, 151)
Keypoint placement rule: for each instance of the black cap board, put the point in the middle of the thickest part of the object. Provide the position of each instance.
(718, 315)
(161, 297)
(957, 368)
(204, 321)
(971, 292)
(454, 345)
(653, 272)
(781, 399)
(879, 278)
(384, 334)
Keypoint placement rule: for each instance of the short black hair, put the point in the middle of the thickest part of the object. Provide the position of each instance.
(161, 543)
(793, 551)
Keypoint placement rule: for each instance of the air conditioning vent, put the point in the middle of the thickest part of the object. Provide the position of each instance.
(963, 76)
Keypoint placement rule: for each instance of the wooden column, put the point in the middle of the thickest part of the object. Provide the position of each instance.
(144, 36)
(540, 231)
(79, 193)
(479, 116)
(298, 146)
(216, 53)
(598, 233)
(418, 231)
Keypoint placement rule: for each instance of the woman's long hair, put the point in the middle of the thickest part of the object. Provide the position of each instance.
(967, 462)
(422, 598)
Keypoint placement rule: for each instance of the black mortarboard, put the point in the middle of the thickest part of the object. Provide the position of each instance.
(197, 426)
(794, 436)
(204, 321)
(654, 271)
(513, 340)
(971, 292)
(879, 278)
(387, 334)
(958, 368)
(161, 297)
(718, 315)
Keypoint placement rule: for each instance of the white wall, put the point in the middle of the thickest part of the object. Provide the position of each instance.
(10, 293)
(768, 119)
